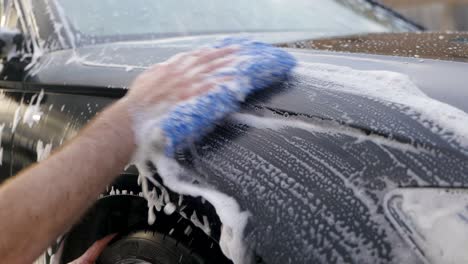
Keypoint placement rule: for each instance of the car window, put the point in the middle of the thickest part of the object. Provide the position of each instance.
(168, 18)
(3, 4)
(9, 15)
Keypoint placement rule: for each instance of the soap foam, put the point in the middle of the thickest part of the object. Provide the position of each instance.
(233, 219)
(43, 151)
(394, 89)
(33, 112)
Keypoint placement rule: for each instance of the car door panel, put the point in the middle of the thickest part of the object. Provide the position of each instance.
(9, 102)
(47, 124)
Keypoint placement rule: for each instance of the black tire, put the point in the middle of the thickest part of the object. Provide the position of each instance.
(148, 247)
(172, 238)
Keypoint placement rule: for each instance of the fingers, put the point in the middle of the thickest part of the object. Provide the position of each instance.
(91, 255)
(204, 87)
(181, 77)
(182, 57)
(201, 73)
(177, 59)
(197, 91)
(216, 65)
(193, 76)
(209, 56)
(208, 59)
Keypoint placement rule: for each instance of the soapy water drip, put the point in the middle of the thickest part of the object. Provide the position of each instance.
(233, 219)
(43, 151)
(33, 112)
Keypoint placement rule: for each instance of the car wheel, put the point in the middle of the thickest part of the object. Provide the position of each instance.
(148, 247)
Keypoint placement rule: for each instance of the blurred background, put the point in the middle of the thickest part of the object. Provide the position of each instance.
(438, 15)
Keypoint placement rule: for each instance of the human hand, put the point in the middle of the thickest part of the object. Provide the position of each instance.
(181, 77)
(92, 254)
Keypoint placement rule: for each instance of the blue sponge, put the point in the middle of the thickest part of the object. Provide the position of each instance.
(261, 66)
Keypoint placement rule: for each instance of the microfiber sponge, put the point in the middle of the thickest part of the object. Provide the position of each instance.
(260, 66)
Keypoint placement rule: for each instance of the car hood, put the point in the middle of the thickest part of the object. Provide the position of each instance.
(313, 158)
(116, 65)
(359, 78)
(431, 45)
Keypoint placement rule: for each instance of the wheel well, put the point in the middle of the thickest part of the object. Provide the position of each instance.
(127, 214)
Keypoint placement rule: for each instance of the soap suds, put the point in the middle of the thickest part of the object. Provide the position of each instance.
(151, 144)
(394, 88)
(205, 226)
(228, 210)
(433, 221)
(169, 209)
(43, 152)
(33, 112)
(386, 87)
(323, 127)
(32, 115)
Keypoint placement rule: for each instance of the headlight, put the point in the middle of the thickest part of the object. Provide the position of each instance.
(433, 221)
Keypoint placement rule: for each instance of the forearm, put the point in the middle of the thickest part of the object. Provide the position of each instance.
(48, 198)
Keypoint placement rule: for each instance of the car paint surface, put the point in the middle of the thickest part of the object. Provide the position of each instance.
(314, 187)
(451, 46)
(314, 196)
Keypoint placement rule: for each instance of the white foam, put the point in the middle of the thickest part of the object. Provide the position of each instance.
(354, 184)
(43, 151)
(169, 208)
(205, 225)
(381, 84)
(33, 112)
(436, 220)
(324, 128)
(397, 88)
(232, 217)
(387, 87)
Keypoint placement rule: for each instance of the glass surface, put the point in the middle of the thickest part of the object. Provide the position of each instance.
(133, 19)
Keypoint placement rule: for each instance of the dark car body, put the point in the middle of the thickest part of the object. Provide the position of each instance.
(315, 188)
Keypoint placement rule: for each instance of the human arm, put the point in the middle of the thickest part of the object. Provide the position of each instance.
(46, 199)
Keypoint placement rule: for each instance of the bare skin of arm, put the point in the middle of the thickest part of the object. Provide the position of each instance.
(45, 200)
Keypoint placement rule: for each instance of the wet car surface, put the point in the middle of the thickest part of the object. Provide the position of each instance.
(323, 163)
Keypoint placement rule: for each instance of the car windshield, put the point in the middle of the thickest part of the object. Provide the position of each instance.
(137, 19)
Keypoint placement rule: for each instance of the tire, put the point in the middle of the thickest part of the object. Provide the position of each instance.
(147, 247)
(172, 238)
